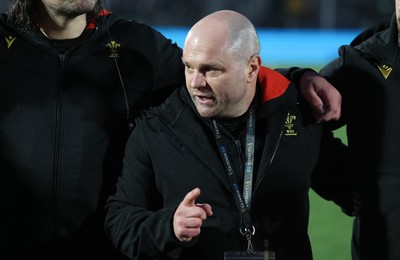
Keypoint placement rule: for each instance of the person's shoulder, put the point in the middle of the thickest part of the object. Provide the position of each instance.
(376, 43)
(7, 29)
(381, 36)
(370, 32)
(121, 23)
(141, 36)
(4, 20)
(169, 109)
(3, 17)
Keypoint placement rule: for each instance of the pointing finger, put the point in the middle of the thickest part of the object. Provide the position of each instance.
(191, 197)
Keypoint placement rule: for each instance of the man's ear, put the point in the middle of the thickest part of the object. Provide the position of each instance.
(253, 66)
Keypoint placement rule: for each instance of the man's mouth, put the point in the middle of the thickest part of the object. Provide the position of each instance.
(206, 100)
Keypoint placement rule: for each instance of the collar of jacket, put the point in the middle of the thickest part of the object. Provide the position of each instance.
(92, 24)
(272, 84)
(381, 44)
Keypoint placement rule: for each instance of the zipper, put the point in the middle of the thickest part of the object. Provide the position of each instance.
(271, 160)
(62, 61)
(55, 177)
(238, 146)
(266, 168)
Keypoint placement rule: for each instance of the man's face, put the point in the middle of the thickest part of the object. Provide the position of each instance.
(69, 8)
(215, 78)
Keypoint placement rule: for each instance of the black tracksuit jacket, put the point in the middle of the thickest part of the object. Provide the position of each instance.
(172, 150)
(367, 73)
(63, 128)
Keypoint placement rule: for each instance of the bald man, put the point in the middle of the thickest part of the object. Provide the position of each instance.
(223, 166)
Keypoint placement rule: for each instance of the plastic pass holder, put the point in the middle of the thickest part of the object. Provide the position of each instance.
(244, 255)
(250, 254)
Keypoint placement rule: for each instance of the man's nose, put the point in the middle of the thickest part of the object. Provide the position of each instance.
(198, 80)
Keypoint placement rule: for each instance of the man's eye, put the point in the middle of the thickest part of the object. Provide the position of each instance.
(213, 72)
(188, 68)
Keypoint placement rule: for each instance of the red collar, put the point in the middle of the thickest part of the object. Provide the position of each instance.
(92, 23)
(273, 84)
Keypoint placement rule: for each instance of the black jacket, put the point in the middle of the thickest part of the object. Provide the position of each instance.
(367, 73)
(63, 128)
(172, 150)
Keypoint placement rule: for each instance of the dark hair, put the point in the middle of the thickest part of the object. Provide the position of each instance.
(22, 14)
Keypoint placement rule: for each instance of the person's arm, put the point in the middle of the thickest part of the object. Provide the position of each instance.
(323, 98)
(137, 222)
(170, 69)
(151, 68)
(331, 178)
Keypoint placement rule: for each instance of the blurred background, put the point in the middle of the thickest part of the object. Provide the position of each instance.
(263, 13)
(292, 33)
(320, 14)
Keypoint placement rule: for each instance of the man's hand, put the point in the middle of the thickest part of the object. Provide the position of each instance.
(324, 99)
(189, 217)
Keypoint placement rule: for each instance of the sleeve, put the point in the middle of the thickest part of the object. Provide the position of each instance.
(341, 75)
(293, 73)
(151, 67)
(136, 222)
(331, 178)
(169, 67)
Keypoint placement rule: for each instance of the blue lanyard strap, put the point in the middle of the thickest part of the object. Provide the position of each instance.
(243, 201)
(249, 153)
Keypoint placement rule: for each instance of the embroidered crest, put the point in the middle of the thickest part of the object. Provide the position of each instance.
(385, 70)
(9, 41)
(113, 46)
(289, 123)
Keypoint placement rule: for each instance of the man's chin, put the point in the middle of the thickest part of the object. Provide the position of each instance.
(205, 113)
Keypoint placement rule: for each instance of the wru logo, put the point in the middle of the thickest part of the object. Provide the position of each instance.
(289, 123)
(113, 46)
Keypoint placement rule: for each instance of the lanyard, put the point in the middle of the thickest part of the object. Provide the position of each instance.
(243, 201)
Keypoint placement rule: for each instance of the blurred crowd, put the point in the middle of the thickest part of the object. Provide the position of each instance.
(263, 13)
